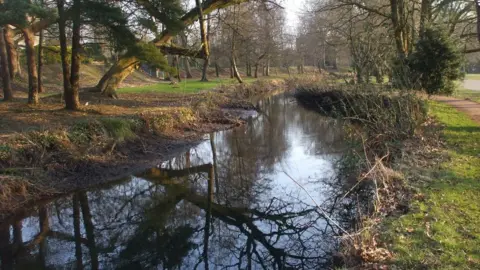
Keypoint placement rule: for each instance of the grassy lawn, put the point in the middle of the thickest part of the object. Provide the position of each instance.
(466, 93)
(185, 86)
(472, 76)
(442, 231)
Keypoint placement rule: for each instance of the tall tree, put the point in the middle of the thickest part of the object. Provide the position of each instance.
(13, 63)
(125, 65)
(7, 89)
(73, 100)
(40, 56)
(203, 33)
(29, 37)
(233, 62)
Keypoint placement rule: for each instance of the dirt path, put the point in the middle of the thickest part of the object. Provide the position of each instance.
(471, 108)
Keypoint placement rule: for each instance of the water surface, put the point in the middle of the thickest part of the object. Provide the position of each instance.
(256, 197)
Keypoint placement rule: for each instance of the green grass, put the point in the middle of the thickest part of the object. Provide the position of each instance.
(472, 76)
(466, 93)
(443, 230)
(186, 86)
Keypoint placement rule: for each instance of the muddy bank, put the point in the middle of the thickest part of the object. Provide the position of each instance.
(75, 153)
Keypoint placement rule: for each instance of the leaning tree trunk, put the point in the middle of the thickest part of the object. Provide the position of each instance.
(12, 55)
(233, 63)
(73, 102)
(125, 66)
(31, 66)
(7, 88)
(116, 74)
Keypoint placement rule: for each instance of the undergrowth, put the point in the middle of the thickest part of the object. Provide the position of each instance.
(380, 122)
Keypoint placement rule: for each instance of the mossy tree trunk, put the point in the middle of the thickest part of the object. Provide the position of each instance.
(204, 37)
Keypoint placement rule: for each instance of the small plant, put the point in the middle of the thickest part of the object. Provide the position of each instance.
(162, 122)
(46, 140)
(5, 152)
(186, 115)
(85, 131)
(119, 129)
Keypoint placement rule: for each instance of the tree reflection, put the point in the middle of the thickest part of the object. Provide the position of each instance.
(216, 207)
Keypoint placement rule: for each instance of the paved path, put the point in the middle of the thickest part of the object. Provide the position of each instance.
(471, 108)
(472, 84)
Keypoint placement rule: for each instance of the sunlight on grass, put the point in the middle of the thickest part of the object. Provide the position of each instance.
(185, 86)
(472, 76)
(443, 230)
(463, 93)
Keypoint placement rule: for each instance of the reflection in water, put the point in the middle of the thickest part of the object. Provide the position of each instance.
(227, 203)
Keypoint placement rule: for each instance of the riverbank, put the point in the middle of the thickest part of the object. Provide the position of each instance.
(424, 184)
(46, 150)
(442, 229)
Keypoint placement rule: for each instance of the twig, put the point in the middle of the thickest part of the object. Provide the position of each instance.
(318, 206)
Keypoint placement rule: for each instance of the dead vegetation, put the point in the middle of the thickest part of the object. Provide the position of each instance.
(392, 142)
(46, 144)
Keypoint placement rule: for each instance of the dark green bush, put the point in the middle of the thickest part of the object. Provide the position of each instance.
(436, 63)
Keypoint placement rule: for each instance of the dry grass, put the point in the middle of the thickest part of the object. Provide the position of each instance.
(16, 191)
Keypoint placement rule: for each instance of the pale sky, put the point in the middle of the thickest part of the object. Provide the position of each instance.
(294, 9)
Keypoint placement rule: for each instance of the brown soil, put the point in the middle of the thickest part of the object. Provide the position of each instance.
(471, 108)
(64, 167)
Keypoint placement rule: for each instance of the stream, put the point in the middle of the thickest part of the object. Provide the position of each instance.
(260, 196)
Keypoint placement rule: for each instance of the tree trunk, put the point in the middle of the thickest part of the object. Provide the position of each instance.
(44, 228)
(13, 63)
(187, 67)
(6, 255)
(235, 70)
(217, 70)
(89, 229)
(73, 102)
(40, 61)
(397, 9)
(267, 68)
(120, 70)
(116, 74)
(7, 88)
(204, 35)
(67, 88)
(232, 56)
(176, 64)
(77, 233)
(256, 71)
(31, 66)
(477, 5)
